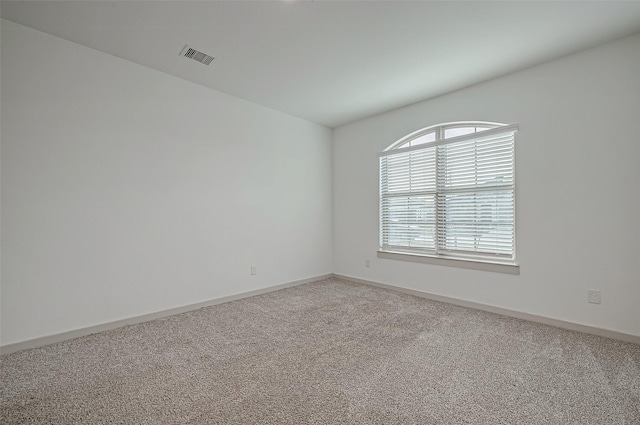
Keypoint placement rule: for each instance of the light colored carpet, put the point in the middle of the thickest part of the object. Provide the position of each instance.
(329, 352)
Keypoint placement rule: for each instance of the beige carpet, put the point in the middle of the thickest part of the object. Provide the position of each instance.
(330, 352)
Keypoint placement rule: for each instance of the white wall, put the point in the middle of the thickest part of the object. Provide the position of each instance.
(127, 191)
(578, 189)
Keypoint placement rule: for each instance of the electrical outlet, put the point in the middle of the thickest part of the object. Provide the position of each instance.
(594, 296)
(367, 263)
(254, 270)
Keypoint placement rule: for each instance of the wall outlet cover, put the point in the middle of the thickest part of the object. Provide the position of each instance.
(594, 296)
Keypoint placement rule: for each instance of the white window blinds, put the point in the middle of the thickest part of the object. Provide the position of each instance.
(452, 197)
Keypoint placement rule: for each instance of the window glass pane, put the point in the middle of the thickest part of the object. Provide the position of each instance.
(458, 131)
(427, 138)
(476, 163)
(409, 221)
(408, 171)
(477, 222)
(404, 145)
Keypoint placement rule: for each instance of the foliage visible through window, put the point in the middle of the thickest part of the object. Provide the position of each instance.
(448, 191)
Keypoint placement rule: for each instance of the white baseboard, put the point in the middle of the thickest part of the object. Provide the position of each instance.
(505, 312)
(51, 339)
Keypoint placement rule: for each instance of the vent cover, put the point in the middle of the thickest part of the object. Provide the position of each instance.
(196, 55)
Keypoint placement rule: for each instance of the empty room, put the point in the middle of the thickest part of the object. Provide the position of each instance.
(320, 212)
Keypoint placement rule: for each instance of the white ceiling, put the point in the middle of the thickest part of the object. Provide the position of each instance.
(333, 62)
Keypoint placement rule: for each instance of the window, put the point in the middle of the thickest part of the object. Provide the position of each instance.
(448, 192)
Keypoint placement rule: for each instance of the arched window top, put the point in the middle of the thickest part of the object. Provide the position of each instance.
(440, 132)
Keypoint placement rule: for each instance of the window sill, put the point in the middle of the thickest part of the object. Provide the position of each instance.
(451, 262)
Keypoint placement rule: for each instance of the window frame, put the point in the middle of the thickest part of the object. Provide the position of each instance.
(471, 260)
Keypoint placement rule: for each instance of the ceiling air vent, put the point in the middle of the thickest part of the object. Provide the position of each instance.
(190, 53)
